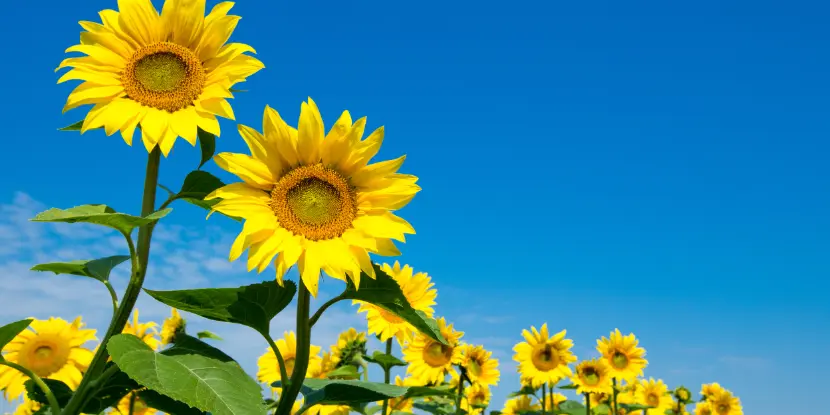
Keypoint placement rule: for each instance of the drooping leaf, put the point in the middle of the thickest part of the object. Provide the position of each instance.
(435, 408)
(166, 404)
(61, 391)
(345, 392)
(385, 293)
(198, 184)
(207, 143)
(75, 126)
(221, 388)
(10, 331)
(100, 215)
(344, 372)
(572, 407)
(251, 305)
(204, 334)
(424, 391)
(384, 360)
(372, 410)
(98, 269)
(186, 344)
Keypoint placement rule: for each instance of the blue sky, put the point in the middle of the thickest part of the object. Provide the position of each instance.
(653, 166)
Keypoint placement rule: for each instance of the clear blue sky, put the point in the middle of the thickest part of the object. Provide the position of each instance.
(654, 166)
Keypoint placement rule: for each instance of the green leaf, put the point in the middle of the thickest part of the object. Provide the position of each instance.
(76, 126)
(384, 360)
(495, 412)
(572, 408)
(401, 413)
(525, 390)
(98, 269)
(479, 406)
(344, 372)
(385, 293)
(10, 331)
(61, 391)
(198, 184)
(251, 305)
(634, 406)
(602, 409)
(234, 90)
(166, 404)
(424, 391)
(208, 335)
(221, 388)
(371, 410)
(110, 393)
(435, 408)
(100, 215)
(570, 386)
(185, 344)
(207, 143)
(345, 392)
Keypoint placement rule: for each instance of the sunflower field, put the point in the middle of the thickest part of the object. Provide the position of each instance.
(308, 197)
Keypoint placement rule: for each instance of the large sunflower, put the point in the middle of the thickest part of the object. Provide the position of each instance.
(51, 349)
(592, 376)
(624, 358)
(168, 73)
(416, 288)
(429, 360)
(655, 394)
(474, 396)
(147, 332)
(724, 403)
(312, 199)
(171, 327)
(519, 404)
(269, 368)
(481, 367)
(543, 358)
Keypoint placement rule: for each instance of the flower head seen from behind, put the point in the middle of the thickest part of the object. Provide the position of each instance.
(655, 394)
(519, 404)
(51, 349)
(313, 199)
(145, 331)
(172, 326)
(544, 358)
(351, 344)
(416, 287)
(624, 358)
(429, 360)
(168, 73)
(592, 376)
(269, 368)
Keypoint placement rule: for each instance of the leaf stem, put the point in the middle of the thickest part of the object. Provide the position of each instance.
(280, 360)
(139, 256)
(290, 393)
(114, 297)
(54, 407)
(387, 375)
(319, 312)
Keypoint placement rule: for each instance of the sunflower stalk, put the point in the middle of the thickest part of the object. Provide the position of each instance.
(615, 392)
(544, 398)
(54, 407)
(387, 374)
(139, 258)
(290, 393)
(280, 360)
(461, 379)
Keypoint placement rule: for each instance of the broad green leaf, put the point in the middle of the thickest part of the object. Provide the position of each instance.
(221, 388)
(372, 410)
(10, 331)
(94, 268)
(400, 413)
(384, 360)
(602, 409)
(633, 406)
(251, 305)
(570, 386)
(99, 215)
(204, 334)
(185, 344)
(344, 392)
(61, 391)
(107, 395)
(207, 143)
(435, 408)
(572, 407)
(76, 126)
(385, 293)
(198, 184)
(344, 372)
(479, 406)
(525, 390)
(495, 412)
(166, 404)
(424, 391)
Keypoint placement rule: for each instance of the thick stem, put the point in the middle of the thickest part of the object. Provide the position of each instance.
(587, 403)
(289, 395)
(544, 397)
(54, 407)
(460, 393)
(387, 375)
(280, 360)
(614, 385)
(140, 258)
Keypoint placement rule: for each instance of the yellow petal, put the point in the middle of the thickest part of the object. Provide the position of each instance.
(235, 191)
(384, 225)
(185, 123)
(249, 169)
(282, 135)
(184, 20)
(376, 171)
(310, 264)
(310, 133)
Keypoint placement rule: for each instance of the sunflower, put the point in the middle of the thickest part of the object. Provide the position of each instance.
(168, 73)
(703, 408)
(682, 394)
(400, 403)
(27, 407)
(624, 358)
(629, 392)
(172, 325)
(51, 349)
(147, 332)
(350, 345)
(543, 358)
(553, 399)
(655, 394)
(518, 404)
(269, 370)
(592, 376)
(312, 199)
(139, 407)
(416, 288)
(297, 405)
(429, 360)
(600, 398)
(478, 394)
(679, 408)
(481, 367)
(319, 368)
(724, 403)
(710, 389)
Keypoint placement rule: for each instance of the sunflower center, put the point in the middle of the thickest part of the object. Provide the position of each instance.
(620, 360)
(590, 376)
(43, 352)
(545, 358)
(437, 354)
(652, 399)
(314, 201)
(474, 367)
(723, 409)
(46, 358)
(164, 76)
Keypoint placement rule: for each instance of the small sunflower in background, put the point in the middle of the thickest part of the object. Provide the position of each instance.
(656, 394)
(51, 349)
(481, 367)
(139, 406)
(592, 376)
(629, 392)
(401, 403)
(147, 332)
(625, 360)
(269, 370)
(553, 399)
(723, 402)
(543, 358)
(429, 360)
(320, 368)
(172, 326)
(474, 397)
(682, 394)
(703, 408)
(313, 199)
(599, 398)
(351, 344)
(27, 407)
(519, 404)
(416, 287)
(710, 389)
(168, 73)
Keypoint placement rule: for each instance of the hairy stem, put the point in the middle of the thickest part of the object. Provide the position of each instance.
(289, 394)
(54, 407)
(387, 375)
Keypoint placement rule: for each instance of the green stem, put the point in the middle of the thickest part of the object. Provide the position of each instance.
(387, 375)
(587, 403)
(319, 312)
(460, 392)
(280, 360)
(614, 385)
(113, 296)
(544, 397)
(139, 258)
(54, 407)
(132, 402)
(290, 393)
